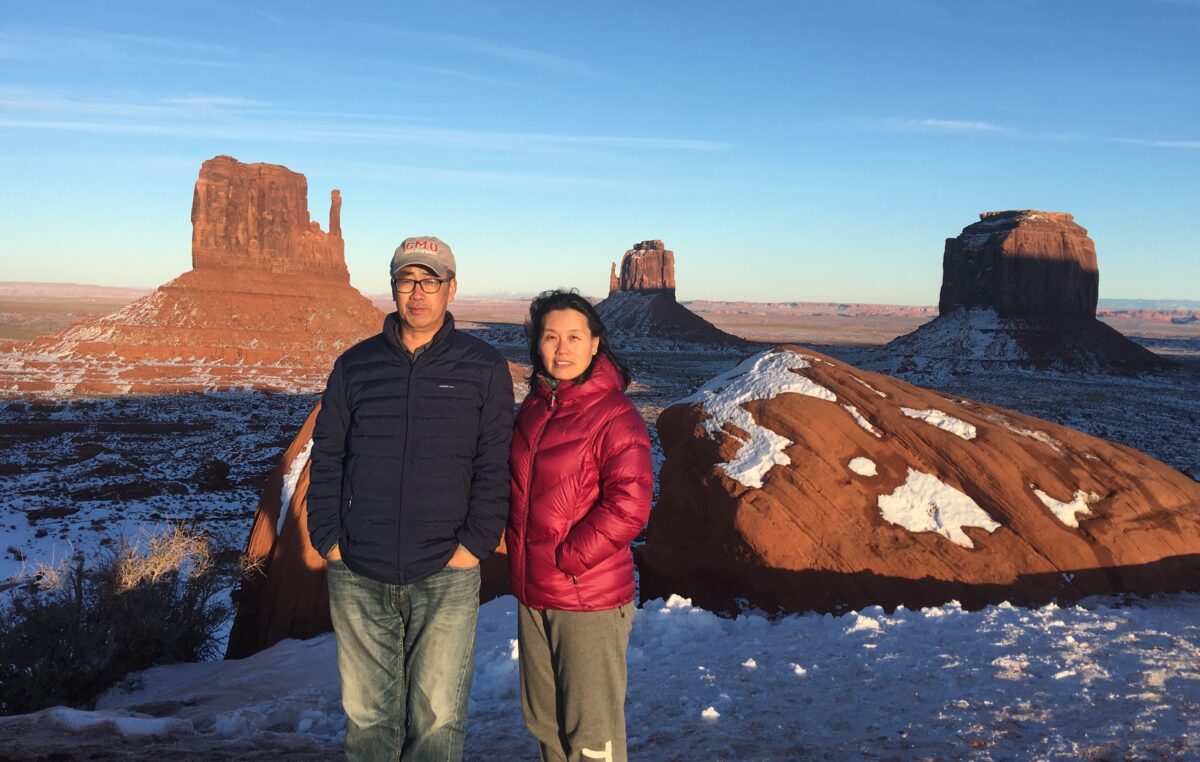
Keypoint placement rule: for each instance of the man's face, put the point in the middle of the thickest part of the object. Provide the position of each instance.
(418, 310)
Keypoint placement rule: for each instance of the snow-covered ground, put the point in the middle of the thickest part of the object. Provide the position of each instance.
(1108, 679)
(73, 475)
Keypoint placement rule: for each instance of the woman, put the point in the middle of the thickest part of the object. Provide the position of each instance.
(581, 490)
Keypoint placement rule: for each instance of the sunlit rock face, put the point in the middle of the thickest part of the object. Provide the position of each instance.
(641, 312)
(255, 217)
(1019, 292)
(268, 304)
(797, 482)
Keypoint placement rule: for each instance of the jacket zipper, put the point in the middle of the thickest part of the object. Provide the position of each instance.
(412, 368)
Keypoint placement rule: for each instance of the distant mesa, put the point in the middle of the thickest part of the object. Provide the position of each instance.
(641, 310)
(1019, 291)
(647, 268)
(796, 482)
(267, 305)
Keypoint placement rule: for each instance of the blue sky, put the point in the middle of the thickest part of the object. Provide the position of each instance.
(816, 151)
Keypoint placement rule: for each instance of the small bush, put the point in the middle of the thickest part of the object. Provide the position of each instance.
(77, 631)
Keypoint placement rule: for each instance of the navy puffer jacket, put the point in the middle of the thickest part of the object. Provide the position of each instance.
(410, 458)
(581, 488)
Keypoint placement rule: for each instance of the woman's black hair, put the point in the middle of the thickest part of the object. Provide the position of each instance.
(562, 299)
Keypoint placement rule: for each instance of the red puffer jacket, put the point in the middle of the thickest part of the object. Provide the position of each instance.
(581, 489)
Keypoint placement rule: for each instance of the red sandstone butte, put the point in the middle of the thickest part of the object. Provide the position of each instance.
(283, 592)
(267, 305)
(880, 492)
(641, 305)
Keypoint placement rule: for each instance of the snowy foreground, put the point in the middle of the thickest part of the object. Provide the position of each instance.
(1109, 679)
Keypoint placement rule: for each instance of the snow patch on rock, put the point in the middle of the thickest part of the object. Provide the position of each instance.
(862, 421)
(863, 466)
(864, 383)
(942, 421)
(289, 484)
(1039, 436)
(760, 377)
(926, 504)
(1066, 512)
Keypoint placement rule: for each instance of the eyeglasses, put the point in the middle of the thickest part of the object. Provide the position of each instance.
(428, 285)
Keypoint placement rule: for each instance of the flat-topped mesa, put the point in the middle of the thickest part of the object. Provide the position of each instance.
(647, 268)
(255, 217)
(1018, 291)
(1025, 264)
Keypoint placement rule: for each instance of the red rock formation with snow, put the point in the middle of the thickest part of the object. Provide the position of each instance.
(268, 304)
(641, 305)
(283, 592)
(795, 481)
(1018, 291)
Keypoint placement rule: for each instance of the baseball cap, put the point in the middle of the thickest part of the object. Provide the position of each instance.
(427, 251)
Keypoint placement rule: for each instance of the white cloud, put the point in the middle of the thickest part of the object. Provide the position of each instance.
(962, 126)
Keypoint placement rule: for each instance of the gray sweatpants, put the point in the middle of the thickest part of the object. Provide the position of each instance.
(573, 681)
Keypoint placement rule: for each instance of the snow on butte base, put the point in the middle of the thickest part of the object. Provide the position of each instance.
(942, 421)
(760, 377)
(926, 504)
(1065, 512)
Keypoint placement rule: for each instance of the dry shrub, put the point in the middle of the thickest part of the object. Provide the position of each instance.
(178, 550)
(79, 630)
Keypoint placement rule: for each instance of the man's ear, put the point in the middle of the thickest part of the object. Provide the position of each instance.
(453, 290)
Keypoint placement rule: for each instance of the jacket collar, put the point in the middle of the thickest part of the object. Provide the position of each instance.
(391, 334)
(603, 378)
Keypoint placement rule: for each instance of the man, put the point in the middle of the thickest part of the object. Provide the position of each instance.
(409, 491)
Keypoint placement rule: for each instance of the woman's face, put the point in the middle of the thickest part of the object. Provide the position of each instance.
(567, 344)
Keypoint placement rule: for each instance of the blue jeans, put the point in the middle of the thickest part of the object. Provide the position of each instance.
(406, 656)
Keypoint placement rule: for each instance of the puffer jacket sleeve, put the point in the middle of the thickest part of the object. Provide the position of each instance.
(328, 453)
(487, 509)
(626, 489)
